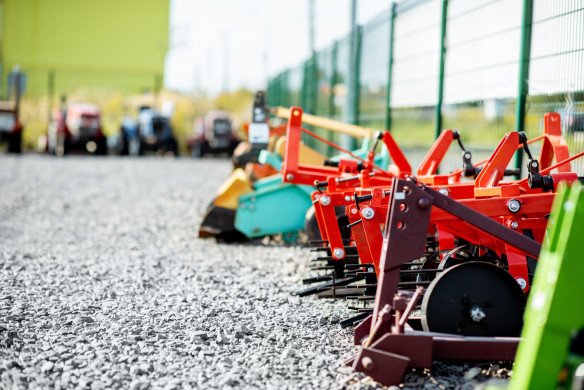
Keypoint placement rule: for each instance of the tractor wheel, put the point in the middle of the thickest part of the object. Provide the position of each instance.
(142, 147)
(232, 148)
(15, 142)
(134, 147)
(101, 147)
(172, 146)
(123, 147)
(198, 150)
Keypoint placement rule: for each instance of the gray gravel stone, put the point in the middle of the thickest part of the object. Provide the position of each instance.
(472, 373)
(104, 284)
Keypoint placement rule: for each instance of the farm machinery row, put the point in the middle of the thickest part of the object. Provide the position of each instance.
(435, 266)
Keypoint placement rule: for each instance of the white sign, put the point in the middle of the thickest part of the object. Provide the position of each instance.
(259, 133)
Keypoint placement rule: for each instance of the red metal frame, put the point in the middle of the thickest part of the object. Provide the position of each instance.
(488, 212)
(295, 172)
(488, 195)
(387, 351)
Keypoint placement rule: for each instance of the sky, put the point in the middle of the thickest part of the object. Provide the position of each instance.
(227, 44)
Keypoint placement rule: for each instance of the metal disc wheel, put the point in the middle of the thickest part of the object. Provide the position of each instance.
(474, 299)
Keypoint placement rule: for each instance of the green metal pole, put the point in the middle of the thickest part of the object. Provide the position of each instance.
(275, 99)
(356, 84)
(286, 88)
(278, 91)
(304, 86)
(282, 89)
(388, 112)
(334, 78)
(522, 85)
(307, 95)
(353, 60)
(438, 113)
(314, 82)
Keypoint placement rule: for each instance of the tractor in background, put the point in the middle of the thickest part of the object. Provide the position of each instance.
(151, 132)
(76, 127)
(10, 126)
(214, 133)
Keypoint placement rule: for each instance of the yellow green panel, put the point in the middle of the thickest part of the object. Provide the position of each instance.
(106, 43)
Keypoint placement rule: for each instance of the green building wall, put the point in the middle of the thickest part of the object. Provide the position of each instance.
(63, 45)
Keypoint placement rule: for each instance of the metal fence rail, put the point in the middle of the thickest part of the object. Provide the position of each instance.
(484, 67)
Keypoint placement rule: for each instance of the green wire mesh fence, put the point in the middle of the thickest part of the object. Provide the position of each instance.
(484, 67)
(556, 70)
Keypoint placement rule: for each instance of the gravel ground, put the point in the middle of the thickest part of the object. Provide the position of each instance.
(103, 284)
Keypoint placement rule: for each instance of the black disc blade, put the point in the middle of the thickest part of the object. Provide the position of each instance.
(474, 299)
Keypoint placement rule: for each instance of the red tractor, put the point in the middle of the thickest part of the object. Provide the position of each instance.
(76, 127)
(10, 127)
(213, 133)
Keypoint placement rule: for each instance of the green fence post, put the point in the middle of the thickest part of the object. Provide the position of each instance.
(438, 113)
(282, 83)
(303, 87)
(277, 87)
(388, 112)
(355, 83)
(275, 99)
(522, 85)
(281, 87)
(356, 79)
(307, 93)
(333, 80)
(314, 82)
(285, 88)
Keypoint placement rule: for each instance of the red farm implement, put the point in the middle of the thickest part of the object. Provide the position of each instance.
(467, 249)
(355, 257)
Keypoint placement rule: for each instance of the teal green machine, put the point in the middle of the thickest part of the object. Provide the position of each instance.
(275, 207)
